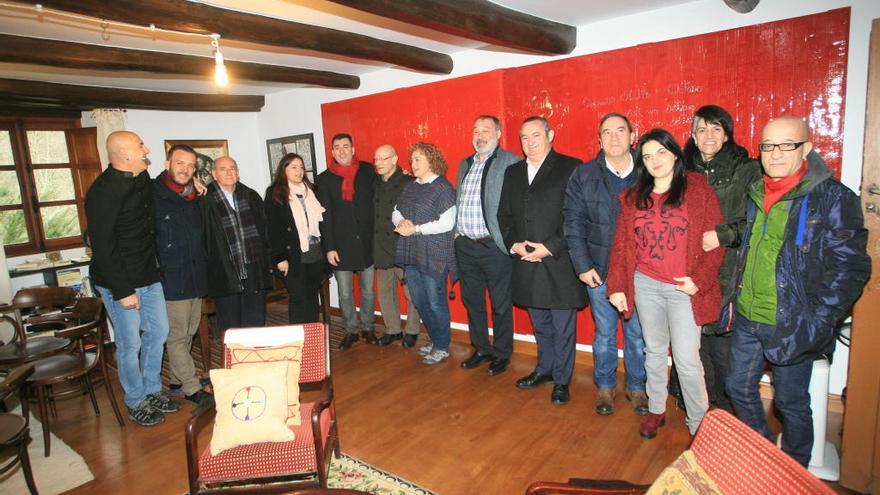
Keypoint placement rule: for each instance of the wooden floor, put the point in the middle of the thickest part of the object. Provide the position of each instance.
(451, 430)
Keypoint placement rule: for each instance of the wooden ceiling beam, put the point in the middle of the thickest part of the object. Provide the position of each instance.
(192, 17)
(22, 49)
(43, 95)
(479, 20)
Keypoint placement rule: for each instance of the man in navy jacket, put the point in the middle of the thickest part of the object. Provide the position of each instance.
(591, 209)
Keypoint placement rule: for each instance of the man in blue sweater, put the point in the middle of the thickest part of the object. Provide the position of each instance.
(591, 209)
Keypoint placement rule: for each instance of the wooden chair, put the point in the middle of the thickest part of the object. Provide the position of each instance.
(54, 375)
(736, 458)
(40, 300)
(274, 467)
(14, 431)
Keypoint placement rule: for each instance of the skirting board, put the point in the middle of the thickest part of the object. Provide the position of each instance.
(527, 347)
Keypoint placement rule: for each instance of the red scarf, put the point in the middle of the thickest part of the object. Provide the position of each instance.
(775, 190)
(187, 192)
(347, 172)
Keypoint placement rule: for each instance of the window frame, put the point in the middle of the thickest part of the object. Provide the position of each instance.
(37, 242)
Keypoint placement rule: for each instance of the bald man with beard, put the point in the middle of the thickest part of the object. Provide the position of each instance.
(801, 266)
(125, 271)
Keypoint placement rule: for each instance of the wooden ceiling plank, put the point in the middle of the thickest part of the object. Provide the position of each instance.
(192, 17)
(54, 53)
(479, 20)
(43, 95)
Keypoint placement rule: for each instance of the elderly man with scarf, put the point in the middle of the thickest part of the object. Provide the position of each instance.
(236, 240)
(345, 190)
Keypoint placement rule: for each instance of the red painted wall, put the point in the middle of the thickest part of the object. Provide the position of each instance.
(795, 66)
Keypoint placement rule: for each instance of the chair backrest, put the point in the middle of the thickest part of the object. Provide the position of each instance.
(735, 457)
(89, 319)
(315, 358)
(13, 380)
(44, 298)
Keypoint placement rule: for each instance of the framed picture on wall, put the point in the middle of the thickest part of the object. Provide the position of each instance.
(207, 150)
(303, 145)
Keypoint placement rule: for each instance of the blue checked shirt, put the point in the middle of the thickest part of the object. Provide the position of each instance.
(470, 205)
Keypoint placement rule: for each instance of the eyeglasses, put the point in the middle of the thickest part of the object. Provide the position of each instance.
(768, 147)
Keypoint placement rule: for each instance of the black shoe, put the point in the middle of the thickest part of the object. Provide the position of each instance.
(145, 414)
(162, 402)
(475, 360)
(560, 394)
(369, 337)
(200, 398)
(347, 341)
(388, 338)
(498, 366)
(533, 379)
(410, 340)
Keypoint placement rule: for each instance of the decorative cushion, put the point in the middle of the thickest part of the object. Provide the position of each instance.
(251, 402)
(685, 477)
(263, 460)
(290, 353)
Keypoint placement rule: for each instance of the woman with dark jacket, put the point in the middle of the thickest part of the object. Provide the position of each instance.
(658, 264)
(713, 151)
(293, 214)
(425, 218)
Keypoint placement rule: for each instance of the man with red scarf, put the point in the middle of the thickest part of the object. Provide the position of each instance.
(801, 266)
(345, 190)
(183, 265)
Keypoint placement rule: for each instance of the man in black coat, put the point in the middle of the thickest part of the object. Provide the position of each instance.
(182, 263)
(237, 244)
(390, 181)
(345, 190)
(530, 217)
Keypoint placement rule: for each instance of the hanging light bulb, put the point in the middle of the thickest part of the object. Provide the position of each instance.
(221, 78)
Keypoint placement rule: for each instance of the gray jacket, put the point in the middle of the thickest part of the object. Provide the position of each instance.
(493, 179)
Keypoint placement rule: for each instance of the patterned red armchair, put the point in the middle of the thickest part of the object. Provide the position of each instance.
(273, 467)
(726, 457)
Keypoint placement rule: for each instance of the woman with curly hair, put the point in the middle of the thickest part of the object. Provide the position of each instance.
(293, 214)
(658, 264)
(425, 218)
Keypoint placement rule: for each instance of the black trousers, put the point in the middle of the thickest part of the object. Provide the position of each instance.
(303, 282)
(482, 266)
(246, 308)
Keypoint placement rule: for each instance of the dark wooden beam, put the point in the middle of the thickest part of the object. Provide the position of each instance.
(54, 53)
(43, 95)
(192, 17)
(479, 20)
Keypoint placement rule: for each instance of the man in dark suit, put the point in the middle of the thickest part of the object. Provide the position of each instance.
(345, 190)
(483, 261)
(530, 216)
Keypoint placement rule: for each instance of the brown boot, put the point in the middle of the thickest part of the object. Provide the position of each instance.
(605, 401)
(639, 401)
(650, 425)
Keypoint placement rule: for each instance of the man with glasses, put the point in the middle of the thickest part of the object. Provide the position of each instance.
(801, 265)
(390, 182)
(483, 261)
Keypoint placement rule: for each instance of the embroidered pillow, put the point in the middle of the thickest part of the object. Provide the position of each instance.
(251, 402)
(684, 477)
(290, 353)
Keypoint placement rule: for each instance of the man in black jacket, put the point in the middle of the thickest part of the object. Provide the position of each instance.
(238, 250)
(119, 209)
(390, 182)
(530, 217)
(345, 190)
(182, 262)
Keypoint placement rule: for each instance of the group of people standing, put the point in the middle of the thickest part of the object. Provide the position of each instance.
(731, 262)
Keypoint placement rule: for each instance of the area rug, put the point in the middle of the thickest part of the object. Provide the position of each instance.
(355, 474)
(61, 471)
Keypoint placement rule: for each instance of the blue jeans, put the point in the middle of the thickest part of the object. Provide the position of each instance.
(605, 318)
(139, 355)
(791, 389)
(429, 297)
(345, 289)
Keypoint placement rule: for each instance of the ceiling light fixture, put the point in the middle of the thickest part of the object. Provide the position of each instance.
(221, 78)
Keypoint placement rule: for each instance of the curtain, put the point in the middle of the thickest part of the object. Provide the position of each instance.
(108, 120)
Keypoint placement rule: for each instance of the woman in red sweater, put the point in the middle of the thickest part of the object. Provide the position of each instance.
(658, 263)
